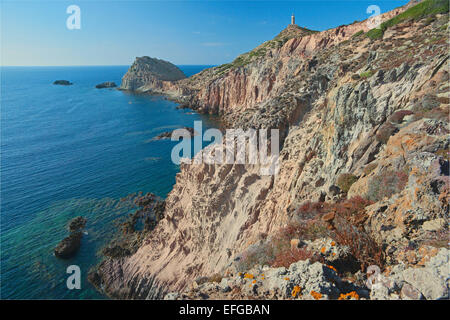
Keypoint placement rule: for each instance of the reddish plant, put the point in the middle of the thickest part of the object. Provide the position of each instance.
(386, 184)
(288, 257)
(385, 131)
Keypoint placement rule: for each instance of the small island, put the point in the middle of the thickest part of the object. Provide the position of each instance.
(107, 84)
(63, 83)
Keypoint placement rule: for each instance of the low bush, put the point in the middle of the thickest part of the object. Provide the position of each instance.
(386, 184)
(357, 34)
(367, 74)
(345, 181)
(287, 257)
(385, 132)
(369, 168)
(397, 117)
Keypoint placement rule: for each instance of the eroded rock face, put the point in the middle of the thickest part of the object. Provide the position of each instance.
(331, 122)
(150, 72)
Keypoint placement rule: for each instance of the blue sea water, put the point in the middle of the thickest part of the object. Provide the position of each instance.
(69, 151)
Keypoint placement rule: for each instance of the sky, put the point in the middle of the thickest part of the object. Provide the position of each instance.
(113, 32)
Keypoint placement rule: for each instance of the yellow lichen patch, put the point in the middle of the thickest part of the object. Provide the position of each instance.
(349, 296)
(296, 291)
(316, 295)
(248, 276)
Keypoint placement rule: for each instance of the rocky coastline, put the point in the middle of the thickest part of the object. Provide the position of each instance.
(359, 209)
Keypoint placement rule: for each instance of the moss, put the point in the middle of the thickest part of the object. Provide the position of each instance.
(424, 9)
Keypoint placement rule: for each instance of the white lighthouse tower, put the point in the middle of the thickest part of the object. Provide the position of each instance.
(292, 19)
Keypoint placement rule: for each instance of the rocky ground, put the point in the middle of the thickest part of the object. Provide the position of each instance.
(364, 164)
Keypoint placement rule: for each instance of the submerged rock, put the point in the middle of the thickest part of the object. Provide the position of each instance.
(63, 83)
(107, 84)
(168, 134)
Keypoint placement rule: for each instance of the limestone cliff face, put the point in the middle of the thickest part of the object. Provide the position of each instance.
(146, 71)
(333, 96)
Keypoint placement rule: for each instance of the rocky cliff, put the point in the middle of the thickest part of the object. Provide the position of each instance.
(363, 113)
(150, 72)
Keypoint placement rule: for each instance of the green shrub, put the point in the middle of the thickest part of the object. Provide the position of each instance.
(345, 181)
(357, 34)
(367, 74)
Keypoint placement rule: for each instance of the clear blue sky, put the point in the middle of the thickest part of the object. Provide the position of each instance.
(183, 32)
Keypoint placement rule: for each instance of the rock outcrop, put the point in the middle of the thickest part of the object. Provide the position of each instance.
(107, 84)
(70, 245)
(62, 83)
(345, 104)
(147, 74)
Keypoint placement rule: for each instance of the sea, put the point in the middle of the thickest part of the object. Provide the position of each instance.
(70, 151)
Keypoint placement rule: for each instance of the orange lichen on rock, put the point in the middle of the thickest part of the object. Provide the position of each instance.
(332, 268)
(333, 243)
(296, 291)
(248, 276)
(254, 281)
(349, 296)
(322, 250)
(286, 278)
(316, 295)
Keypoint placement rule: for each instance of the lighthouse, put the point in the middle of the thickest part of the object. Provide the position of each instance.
(292, 19)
